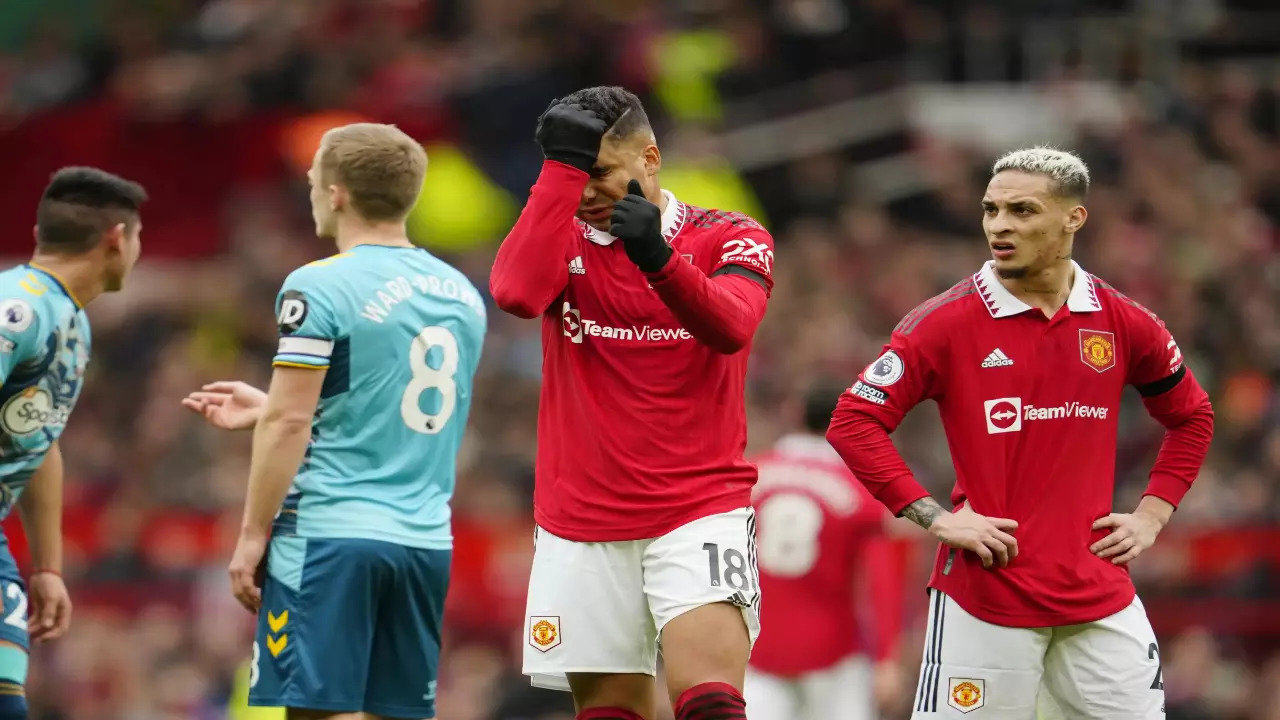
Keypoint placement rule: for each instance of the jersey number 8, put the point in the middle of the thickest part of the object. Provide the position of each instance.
(427, 378)
(789, 527)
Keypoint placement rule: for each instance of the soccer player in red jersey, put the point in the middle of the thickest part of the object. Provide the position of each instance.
(822, 540)
(1027, 360)
(642, 496)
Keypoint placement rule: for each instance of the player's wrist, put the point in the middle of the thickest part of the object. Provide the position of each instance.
(253, 532)
(579, 159)
(651, 254)
(1155, 509)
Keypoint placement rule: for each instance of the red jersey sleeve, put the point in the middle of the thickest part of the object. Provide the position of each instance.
(904, 375)
(722, 309)
(1174, 398)
(531, 268)
(747, 246)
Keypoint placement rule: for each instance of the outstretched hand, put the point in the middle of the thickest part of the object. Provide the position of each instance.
(228, 404)
(638, 224)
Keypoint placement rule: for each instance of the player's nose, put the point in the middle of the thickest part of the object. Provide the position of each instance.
(998, 224)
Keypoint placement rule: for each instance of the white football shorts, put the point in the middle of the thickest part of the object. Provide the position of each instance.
(600, 607)
(843, 691)
(1108, 669)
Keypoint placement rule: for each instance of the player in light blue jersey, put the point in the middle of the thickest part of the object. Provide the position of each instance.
(355, 448)
(87, 239)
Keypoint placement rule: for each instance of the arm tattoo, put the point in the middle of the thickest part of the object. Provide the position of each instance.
(923, 512)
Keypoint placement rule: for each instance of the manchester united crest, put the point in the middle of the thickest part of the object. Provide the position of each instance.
(966, 694)
(544, 632)
(1098, 349)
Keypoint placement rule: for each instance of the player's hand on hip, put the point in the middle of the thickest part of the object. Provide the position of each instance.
(228, 404)
(1131, 534)
(989, 538)
(570, 134)
(50, 606)
(638, 224)
(246, 583)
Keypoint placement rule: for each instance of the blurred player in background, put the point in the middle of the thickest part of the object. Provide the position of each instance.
(87, 236)
(1027, 360)
(642, 500)
(370, 395)
(833, 579)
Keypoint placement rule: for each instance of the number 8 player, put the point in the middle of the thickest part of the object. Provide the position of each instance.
(1030, 601)
(365, 415)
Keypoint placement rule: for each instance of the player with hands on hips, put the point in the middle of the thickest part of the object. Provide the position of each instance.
(1027, 361)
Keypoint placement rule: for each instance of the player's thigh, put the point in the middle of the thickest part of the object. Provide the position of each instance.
(971, 665)
(704, 593)
(586, 615)
(771, 697)
(405, 661)
(1106, 669)
(315, 629)
(844, 690)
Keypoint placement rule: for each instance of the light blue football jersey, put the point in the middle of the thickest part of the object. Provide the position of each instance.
(44, 350)
(400, 333)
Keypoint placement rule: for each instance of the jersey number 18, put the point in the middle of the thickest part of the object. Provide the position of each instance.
(427, 378)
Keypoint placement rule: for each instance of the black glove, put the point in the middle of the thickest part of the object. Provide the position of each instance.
(570, 134)
(638, 224)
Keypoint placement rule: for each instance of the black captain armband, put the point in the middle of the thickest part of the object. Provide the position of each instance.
(744, 272)
(1161, 387)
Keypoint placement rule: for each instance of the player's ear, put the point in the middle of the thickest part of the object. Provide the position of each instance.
(652, 160)
(1076, 219)
(338, 197)
(113, 239)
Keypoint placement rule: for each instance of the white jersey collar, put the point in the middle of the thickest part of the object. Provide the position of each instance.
(673, 219)
(806, 446)
(1002, 303)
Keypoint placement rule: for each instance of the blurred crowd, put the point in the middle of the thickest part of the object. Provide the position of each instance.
(1184, 217)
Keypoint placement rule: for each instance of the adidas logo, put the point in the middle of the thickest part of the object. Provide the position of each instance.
(575, 266)
(997, 358)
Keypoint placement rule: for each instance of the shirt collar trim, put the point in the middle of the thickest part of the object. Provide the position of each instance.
(1001, 303)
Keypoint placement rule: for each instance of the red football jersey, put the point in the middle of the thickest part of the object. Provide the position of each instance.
(1030, 407)
(641, 427)
(821, 539)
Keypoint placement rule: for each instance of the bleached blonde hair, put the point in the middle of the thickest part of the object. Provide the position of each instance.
(1068, 172)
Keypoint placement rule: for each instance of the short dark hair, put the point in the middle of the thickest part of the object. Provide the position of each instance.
(820, 404)
(80, 204)
(618, 107)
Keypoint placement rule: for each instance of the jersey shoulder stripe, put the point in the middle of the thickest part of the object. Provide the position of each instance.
(1110, 291)
(704, 218)
(912, 320)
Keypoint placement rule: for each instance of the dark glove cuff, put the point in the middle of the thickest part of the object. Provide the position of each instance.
(652, 255)
(573, 158)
